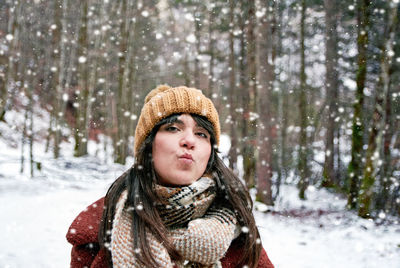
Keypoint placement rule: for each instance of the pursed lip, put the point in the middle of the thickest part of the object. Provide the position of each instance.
(186, 156)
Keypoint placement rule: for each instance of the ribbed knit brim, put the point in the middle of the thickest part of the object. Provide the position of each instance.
(165, 101)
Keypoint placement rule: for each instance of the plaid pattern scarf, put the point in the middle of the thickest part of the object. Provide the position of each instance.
(200, 230)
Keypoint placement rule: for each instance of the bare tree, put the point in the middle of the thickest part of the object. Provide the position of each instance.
(233, 154)
(249, 161)
(331, 84)
(266, 78)
(303, 146)
(81, 131)
(373, 153)
(355, 166)
(59, 56)
(9, 86)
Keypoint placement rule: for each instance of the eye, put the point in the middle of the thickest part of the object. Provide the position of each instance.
(202, 134)
(171, 128)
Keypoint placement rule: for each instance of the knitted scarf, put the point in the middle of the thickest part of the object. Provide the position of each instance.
(201, 231)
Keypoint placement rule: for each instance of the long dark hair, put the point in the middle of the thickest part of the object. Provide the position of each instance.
(139, 180)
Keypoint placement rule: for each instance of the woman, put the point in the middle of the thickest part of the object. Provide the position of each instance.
(179, 205)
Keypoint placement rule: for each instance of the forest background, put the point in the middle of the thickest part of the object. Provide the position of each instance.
(308, 91)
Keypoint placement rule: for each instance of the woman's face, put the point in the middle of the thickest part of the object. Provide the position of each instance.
(181, 151)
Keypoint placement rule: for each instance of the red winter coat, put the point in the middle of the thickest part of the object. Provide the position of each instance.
(82, 234)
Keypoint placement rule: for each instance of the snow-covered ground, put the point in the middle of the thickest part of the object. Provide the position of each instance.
(320, 233)
(35, 214)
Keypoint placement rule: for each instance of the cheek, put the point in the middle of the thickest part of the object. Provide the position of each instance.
(163, 150)
(157, 151)
(206, 155)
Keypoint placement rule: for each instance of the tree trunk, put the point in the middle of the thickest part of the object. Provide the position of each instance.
(338, 160)
(186, 75)
(211, 48)
(302, 162)
(386, 172)
(125, 89)
(266, 79)
(9, 90)
(129, 82)
(23, 141)
(283, 152)
(331, 85)
(29, 90)
(197, 24)
(134, 87)
(232, 94)
(355, 166)
(55, 83)
(243, 93)
(120, 100)
(377, 125)
(83, 74)
(31, 133)
(249, 161)
(59, 75)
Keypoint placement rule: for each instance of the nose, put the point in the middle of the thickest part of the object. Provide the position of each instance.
(188, 140)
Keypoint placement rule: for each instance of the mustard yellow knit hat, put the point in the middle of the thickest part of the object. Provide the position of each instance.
(165, 100)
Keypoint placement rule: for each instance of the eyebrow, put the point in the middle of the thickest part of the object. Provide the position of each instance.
(180, 122)
(177, 121)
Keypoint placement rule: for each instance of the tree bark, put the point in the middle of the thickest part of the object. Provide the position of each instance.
(197, 29)
(232, 94)
(386, 172)
(211, 49)
(119, 142)
(249, 161)
(377, 125)
(83, 74)
(266, 79)
(9, 90)
(59, 75)
(303, 161)
(331, 85)
(129, 82)
(355, 166)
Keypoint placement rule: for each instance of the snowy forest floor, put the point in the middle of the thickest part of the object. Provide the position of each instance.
(35, 214)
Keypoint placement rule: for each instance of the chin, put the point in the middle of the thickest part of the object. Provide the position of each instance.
(176, 179)
(184, 182)
(176, 182)
(184, 178)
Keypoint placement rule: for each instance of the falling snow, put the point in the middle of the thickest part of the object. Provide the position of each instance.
(191, 38)
(82, 59)
(316, 233)
(9, 37)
